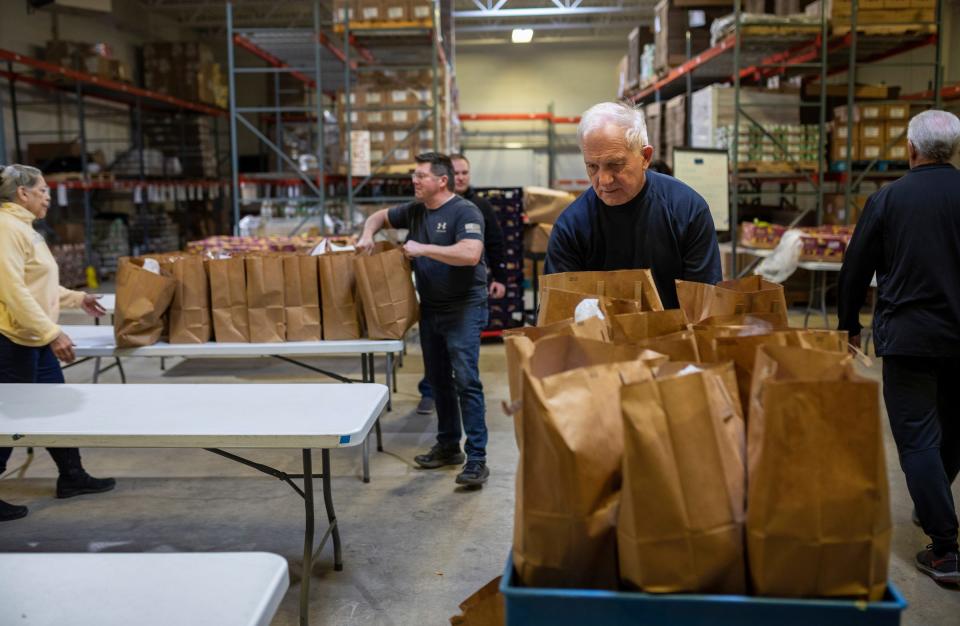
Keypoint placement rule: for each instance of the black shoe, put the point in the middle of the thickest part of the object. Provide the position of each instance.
(439, 456)
(942, 568)
(474, 474)
(10, 512)
(426, 406)
(78, 482)
(915, 518)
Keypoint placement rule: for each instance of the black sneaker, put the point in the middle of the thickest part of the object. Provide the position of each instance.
(426, 406)
(78, 482)
(474, 474)
(10, 512)
(439, 456)
(942, 568)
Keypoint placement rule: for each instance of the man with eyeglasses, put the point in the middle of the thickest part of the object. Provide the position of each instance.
(492, 253)
(445, 246)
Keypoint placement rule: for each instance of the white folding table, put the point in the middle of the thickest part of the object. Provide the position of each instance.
(110, 589)
(210, 417)
(96, 342)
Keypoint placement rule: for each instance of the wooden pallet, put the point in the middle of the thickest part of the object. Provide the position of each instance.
(385, 25)
(778, 167)
(77, 177)
(887, 29)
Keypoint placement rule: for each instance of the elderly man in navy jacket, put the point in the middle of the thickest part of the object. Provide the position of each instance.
(909, 234)
(632, 218)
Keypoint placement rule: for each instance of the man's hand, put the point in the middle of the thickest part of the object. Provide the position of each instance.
(365, 245)
(91, 306)
(496, 290)
(62, 348)
(413, 249)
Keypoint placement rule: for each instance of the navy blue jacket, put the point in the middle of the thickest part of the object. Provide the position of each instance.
(667, 228)
(909, 234)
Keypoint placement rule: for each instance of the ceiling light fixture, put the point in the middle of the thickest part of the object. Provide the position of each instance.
(522, 35)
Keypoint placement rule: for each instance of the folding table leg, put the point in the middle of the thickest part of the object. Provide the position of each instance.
(376, 426)
(391, 381)
(123, 375)
(365, 449)
(307, 535)
(331, 516)
(363, 366)
(96, 370)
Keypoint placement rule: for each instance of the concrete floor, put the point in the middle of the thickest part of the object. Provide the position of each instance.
(414, 545)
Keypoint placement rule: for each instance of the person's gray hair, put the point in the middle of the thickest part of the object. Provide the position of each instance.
(620, 114)
(935, 135)
(14, 176)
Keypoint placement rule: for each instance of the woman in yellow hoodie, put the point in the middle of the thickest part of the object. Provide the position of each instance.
(30, 299)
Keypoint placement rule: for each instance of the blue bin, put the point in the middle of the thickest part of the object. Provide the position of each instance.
(560, 607)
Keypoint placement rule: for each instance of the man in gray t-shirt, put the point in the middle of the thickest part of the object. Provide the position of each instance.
(445, 246)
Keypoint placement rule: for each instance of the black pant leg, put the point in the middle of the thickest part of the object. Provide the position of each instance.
(948, 409)
(910, 394)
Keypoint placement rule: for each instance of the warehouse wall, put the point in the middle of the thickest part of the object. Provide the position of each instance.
(526, 78)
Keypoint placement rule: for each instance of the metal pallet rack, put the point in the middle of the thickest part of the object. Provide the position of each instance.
(138, 104)
(328, 59)
(552, 141)
(743, 58)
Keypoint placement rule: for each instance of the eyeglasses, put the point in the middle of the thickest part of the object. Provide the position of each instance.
(421, 176)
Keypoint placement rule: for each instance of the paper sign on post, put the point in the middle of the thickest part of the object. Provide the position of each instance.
(359, 152)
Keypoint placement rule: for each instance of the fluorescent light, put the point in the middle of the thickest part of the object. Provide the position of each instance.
(522, 35)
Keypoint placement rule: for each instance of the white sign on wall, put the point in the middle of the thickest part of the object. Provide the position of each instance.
(707, 172)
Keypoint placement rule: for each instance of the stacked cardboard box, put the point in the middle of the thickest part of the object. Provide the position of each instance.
(674, 126)
(366, 11)
(191, 140)
(711, 109)
(393, 107)
(96, 59)
(671, 21)
(878, 16)
(185, 70)
(637, 41)
(879, 131)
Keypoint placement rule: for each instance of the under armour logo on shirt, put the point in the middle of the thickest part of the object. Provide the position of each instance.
(441, 227)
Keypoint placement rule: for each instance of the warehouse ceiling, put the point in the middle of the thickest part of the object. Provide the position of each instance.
(477, 21)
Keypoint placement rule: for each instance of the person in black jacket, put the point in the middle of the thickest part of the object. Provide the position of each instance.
(492, 248)
(909, 234)
(632, 217)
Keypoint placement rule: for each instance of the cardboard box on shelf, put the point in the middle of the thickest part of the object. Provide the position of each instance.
(870, 151)
(636, 40)
(670, 24)
(342, 9)
(419, 10)
(898, 111)
(834, 211)
(395, 10)
(674, 126)
(838, 150)
(369, 10)
(870, 111)
(898, 152)
(895, 131)
(536, 237)
(653, 114)
(871, 132)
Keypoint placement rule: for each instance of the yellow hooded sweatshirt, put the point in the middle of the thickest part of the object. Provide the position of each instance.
(30, 291)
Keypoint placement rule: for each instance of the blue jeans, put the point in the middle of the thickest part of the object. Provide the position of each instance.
(450, 342)
(23, 364)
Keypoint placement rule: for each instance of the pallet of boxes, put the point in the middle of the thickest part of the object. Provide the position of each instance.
(392, 108)
(541, 207)
(877, 132)
(704, 465)
(374, 13)
(249, 292)
(879, 17)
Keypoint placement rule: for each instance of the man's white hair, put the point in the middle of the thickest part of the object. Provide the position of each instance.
(620, 114)
(935, 135)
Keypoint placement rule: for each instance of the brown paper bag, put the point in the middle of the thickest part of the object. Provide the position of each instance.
(190, 309)
(621, 284)
(709, 329)
(570, 437)
(681, 519)
(681, 346)
(484, 608)
(518, 344)
(142, 300)
(742, 350)
(301, 297)
(265, 298)
(818, 515)
(638, 326)
(732, 297)
(386, 291)
(558, 305)
(228, 299)
(338, 296)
